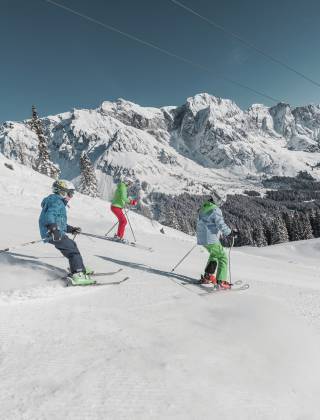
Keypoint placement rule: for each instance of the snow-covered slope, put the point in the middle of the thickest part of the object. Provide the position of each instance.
(206, 143)
(151, 348)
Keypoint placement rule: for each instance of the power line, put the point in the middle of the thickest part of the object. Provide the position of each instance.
(245, 42)
(162, 50)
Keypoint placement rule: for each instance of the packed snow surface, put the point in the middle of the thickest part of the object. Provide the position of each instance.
(151, 348)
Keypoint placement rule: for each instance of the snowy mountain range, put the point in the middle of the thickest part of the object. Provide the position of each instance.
(206, 143)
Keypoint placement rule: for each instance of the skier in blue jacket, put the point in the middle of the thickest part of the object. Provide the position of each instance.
(54, 228)
(210, 226)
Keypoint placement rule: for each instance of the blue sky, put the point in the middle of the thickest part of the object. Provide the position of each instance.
(58, 60)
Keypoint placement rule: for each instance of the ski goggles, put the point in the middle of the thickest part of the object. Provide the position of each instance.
(70, 193)
(64, 192)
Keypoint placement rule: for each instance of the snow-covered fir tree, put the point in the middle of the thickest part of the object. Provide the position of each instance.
(43, 164)
(88, 182)
(277, 232)
(314, 217)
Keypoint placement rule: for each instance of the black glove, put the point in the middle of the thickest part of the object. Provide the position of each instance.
(54, 232)
(235, 233)
(73, 230)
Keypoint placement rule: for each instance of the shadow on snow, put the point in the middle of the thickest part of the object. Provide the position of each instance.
(151, 270)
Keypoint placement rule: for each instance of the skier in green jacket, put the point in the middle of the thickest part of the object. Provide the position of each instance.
(210, 225)
(120, 200)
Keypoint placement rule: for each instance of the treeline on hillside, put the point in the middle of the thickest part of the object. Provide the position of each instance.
(303, 181)
(289, 213)
(179, 212)
(263, 221)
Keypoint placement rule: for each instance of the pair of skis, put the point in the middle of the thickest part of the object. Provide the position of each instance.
(210, 288)
(68, 281)
(108, 238)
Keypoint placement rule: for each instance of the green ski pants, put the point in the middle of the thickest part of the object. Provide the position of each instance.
(218, 254)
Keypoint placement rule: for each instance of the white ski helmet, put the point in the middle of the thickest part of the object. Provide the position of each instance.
(218, 198)
(63, 188)
(127, 179)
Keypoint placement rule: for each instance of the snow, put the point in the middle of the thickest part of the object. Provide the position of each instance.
(150, 348)
(130, 107)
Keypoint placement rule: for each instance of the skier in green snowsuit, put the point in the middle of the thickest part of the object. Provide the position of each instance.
(210, 225)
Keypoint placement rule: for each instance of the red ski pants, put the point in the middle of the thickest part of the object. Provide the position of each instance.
(122, 220)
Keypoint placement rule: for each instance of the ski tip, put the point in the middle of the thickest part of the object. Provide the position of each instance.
(236, 283)
(111, 283)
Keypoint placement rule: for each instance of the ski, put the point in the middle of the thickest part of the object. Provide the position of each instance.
(107, 238)
(209, 288)
(233, 289)
(134, 244)
(110, 273)
(110, 283)
(94, 274)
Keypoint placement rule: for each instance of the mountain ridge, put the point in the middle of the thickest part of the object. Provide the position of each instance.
(206, 143)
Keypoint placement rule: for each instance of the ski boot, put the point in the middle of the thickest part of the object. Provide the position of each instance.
(208, 279)
(88, 271)
(81, 279)
(224, 285)
(118, 238)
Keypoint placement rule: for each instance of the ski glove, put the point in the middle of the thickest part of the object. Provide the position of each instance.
(74, 230)
(235, 233)
(133, 202)
(54, 232)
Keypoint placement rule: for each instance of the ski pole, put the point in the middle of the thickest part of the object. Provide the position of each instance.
(110, 230)
(182, 259)
(11, 248)
(126, 212)
(231, 246)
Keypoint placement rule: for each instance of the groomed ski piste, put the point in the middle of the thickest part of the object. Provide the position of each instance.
(150, 348)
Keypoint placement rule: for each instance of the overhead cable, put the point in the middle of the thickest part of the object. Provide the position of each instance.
(162, 50)
(245, 42)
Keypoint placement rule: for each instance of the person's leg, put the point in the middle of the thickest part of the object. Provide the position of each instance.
(122, 220)
(219, 256)
(211, 267)
(80, 275)
(69, 249)
(210, 270)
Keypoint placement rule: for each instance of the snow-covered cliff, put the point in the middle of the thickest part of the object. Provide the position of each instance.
(206, 143)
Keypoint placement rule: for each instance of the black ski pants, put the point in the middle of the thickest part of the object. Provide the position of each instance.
(69, 249)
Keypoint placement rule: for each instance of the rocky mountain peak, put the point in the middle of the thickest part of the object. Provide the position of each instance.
(207, 142)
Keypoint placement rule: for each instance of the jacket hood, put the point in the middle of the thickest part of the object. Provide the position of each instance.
(50, 197)
(207, 206)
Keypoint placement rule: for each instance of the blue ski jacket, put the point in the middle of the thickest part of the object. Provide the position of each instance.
(53, 211)
(210, 225)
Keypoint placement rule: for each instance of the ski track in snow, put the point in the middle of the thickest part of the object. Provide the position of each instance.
(149, 348)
